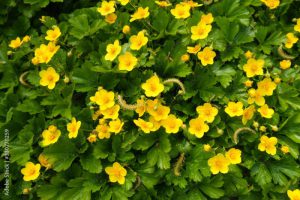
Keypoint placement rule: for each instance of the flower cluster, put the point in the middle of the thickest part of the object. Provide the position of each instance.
(220, 163)
(107, 110)
(206, 114)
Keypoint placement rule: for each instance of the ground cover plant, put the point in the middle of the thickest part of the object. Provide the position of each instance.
(145, 99)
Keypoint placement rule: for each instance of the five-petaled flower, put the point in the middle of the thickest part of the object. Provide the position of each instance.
(73, 128)
(116, 173)
(268, 144)
(294, 194)
(265, 111)
(53, 34)
(153, 87)
(234, 155)
(50, 135)
(219, 163)
(107, 7)
(234, 109)
(113, 50)
(127, 61)
(31, 171)
(254, 67)
(138, 41)
(49, 77)
(198, 127)
(141, 13)
(207, 56)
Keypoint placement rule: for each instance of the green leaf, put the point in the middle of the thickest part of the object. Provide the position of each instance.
(283, 170)
(30, 106)
(144, 142)
(91, 164)
(211, 191)
(84, 78)
(61, 154)
(229, 29)
(161, 20)
(261, 174)
(21, 147)
(80, 26)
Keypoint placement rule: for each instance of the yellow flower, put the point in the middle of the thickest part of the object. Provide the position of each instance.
(192, 4)
(124, 2)
(144, 125)
(44, 161)
(265, 111)
(103, 98)
(207, 112)
(285, 64)
(111, 18)
(126, 29)
(141, 13)
(266, 87)
(297, 26)
(185, 57)
(285, 149)
(248, 54)
(181, 11)
(272, 4)
(50, 136)
(194, 50)
(26, 190)
(234, 156)
(115, 126)
(73, 128)
(103, 131)
(113, 50)
(138, 41)
(263, 128)
(255, 96)
(198, 127)
(53, 34)
(218, 163)
(171, 124)
(207, 19)
(294, 195)
(153, 87)
(234, 109)
(163, 3)
(127, 61)
(26, 38)
(42, 19)
(248, 114)
(106, 8)
(254, 67)
(16, 43)
(44, 53)
(141, 108)
(160, 112)
(152, 104)
(156, 124)
(111, 113)
(92, 138)
(207, 147)
(248, 83)
(268, 144)
(116, 173)
(206, 56)
(31, 171)
(291, 39)
(49, 77)
(200, 31)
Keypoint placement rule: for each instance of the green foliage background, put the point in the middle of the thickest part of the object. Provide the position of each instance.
(240, 25)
